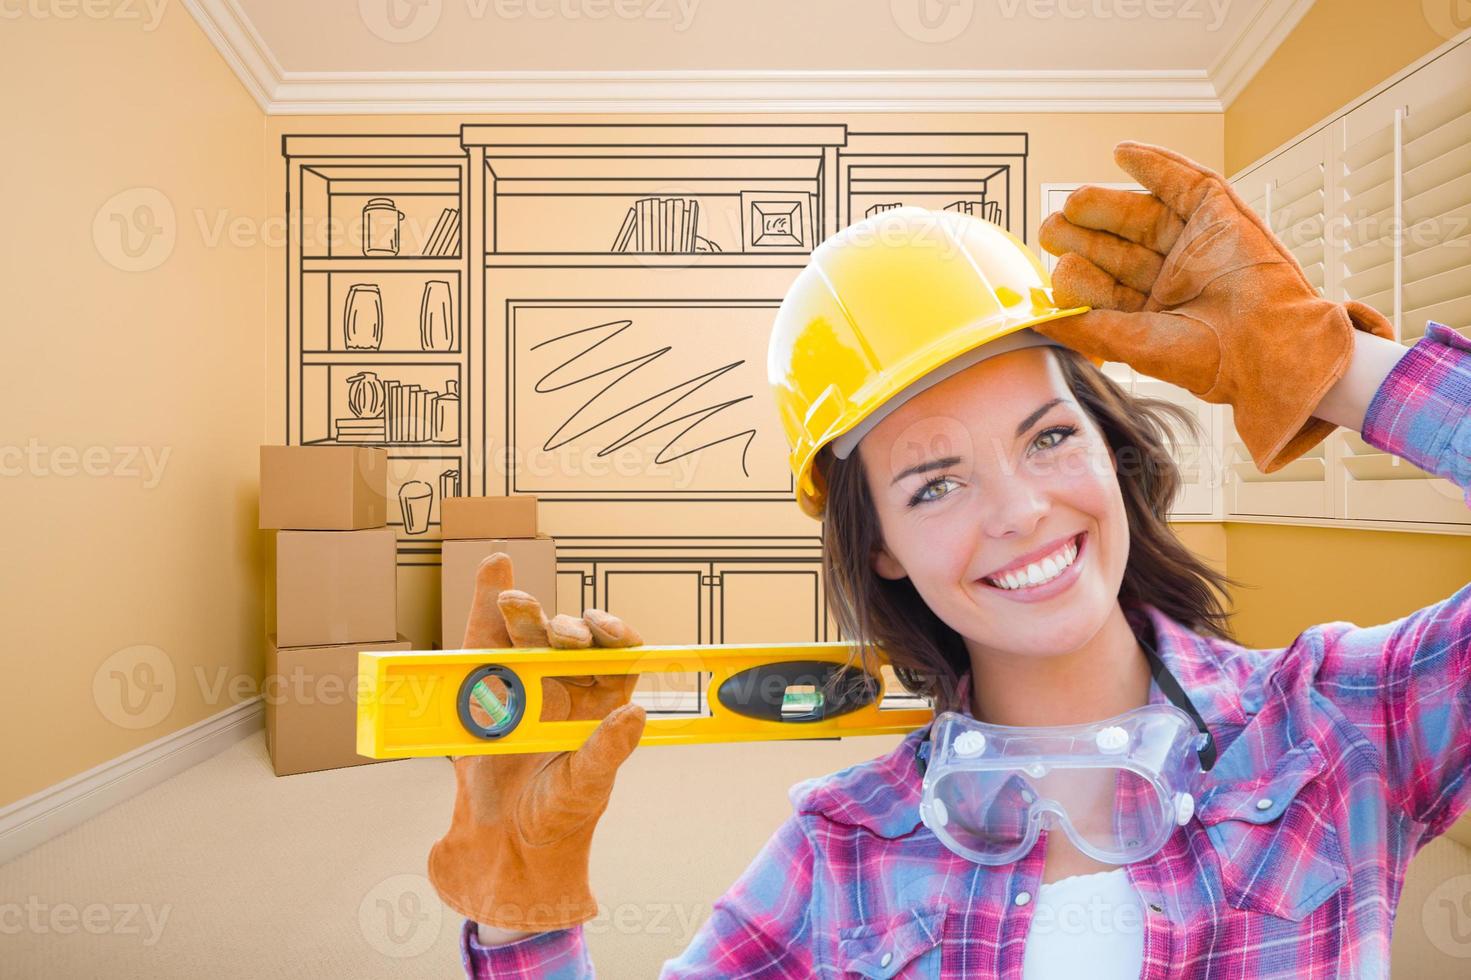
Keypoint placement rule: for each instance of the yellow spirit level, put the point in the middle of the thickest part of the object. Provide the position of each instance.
(438, 702)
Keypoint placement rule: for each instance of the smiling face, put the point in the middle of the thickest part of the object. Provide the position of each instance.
(995, 465)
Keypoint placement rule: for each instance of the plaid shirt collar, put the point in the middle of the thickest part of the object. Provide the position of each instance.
(883, 794)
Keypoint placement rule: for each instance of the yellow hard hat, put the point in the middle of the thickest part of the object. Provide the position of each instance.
(887, 307)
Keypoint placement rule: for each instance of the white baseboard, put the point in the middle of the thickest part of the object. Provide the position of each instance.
(56, 809)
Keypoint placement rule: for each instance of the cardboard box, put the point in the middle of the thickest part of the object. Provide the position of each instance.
(488, 517)
(533, 565)
(311, 697)
(323, 488)
(336, 587)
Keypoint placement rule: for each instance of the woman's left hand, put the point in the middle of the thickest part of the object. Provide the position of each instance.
(1188, 285)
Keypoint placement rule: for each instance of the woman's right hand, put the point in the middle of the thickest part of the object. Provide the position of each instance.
(515, 858)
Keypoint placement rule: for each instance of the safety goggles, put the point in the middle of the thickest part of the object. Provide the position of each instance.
(1117, 787)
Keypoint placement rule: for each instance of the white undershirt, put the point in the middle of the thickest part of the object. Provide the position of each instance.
(1088, 925)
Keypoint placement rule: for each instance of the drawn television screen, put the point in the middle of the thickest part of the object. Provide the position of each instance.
(660, 397)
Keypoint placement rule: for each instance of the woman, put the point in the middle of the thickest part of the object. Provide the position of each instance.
(1320, 768)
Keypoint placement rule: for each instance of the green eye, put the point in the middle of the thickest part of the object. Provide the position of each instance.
(919, 495)
(1065, 431)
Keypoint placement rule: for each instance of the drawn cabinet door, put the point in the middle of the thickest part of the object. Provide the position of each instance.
(668, 603)
(768, 602)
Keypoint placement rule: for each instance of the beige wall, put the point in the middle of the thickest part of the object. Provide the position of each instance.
(108, 575)
(1339, 49)
(1299, 576)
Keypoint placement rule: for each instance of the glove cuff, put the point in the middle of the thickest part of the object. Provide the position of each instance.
(1264, 437)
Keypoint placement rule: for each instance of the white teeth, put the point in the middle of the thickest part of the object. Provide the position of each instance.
(1035, 574)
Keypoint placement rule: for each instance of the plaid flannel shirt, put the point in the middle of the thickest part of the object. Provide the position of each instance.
(1340, 756)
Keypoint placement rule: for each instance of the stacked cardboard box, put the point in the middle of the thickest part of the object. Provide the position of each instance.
(336, 594)
(473, 528)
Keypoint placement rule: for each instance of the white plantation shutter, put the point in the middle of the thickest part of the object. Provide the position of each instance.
(1198, 458)
(1299, 489)
(1404, 209)
(1375, 205)
(1295, 203)
(1290, 191)
(1367, 255)
(1437, 206)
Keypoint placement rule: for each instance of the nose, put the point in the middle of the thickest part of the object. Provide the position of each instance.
(1013, 509)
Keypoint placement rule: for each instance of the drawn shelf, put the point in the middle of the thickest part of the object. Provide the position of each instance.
(379, 264)
(395, 212)
(388, 312)
(984, 174)
(376, 309)
(394, 403)
(679, 190)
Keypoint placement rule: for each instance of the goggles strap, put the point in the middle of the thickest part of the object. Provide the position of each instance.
(1181, 700)
(1167, 684)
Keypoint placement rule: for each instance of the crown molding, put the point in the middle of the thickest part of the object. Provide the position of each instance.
(281, 92)
(1246, 55)
(242, 47)
(744, 91)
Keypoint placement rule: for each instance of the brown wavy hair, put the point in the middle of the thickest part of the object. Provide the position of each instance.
(928, 656)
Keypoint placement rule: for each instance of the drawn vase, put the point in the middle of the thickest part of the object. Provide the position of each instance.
(436, 317)
(381, 218)
(365, 395)
(362, 320)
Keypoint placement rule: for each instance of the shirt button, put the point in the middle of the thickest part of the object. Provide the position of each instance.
(888, 958)
(1155, 908)
(1265, 803)
(1023, 898)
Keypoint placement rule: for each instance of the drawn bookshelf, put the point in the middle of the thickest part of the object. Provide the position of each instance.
(613, 290)
(376, 306)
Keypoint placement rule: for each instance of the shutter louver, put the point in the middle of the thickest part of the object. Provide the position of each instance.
(1291, 192)
(1405, 182)
(1437, 213)
(1297, 219)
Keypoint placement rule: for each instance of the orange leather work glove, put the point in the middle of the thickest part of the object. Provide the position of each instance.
(1188, 285)
(516, 854)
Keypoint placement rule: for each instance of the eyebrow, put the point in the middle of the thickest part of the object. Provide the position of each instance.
(946, 461)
